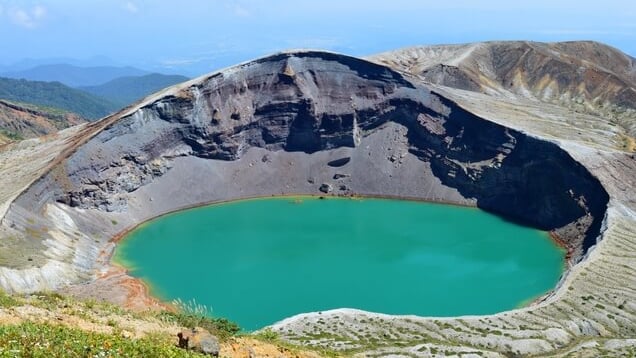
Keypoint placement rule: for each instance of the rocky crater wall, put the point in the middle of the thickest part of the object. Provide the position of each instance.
(297, 123)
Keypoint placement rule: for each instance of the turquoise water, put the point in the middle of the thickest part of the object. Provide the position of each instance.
(258, 261)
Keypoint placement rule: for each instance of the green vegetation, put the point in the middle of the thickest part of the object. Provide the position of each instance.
(7, 300)
(47, 110)
(54, 338)
(191, 314)
(45, 340)
(267, 335)
(56, 95)
(16, 123)
(126, 90)
(11, 135)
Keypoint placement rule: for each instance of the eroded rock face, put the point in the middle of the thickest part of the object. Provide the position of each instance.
(585, 76)
(25, 122)
(307, 102)
(298, 121)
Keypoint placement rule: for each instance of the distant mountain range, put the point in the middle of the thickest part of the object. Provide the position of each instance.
(27, 63)
(47, 98)
(74, 76)
(56, 95)
(125, 90)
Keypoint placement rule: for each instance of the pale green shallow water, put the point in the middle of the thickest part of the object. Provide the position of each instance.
(259, 261)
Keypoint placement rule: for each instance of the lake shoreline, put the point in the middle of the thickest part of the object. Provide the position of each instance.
(134, 284)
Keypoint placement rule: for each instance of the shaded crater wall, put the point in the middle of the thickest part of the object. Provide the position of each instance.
(524, 179)
(313, 102)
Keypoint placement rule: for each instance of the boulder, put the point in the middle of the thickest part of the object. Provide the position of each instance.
(199, 340)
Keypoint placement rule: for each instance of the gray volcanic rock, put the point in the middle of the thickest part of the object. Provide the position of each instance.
(311, 102)
(326, 188)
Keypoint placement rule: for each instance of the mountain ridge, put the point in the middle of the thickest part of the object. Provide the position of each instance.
(74, 76)
(126, 90)
(56, 95)
(584, 76)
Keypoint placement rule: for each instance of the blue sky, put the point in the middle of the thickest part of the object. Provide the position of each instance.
(198, 36)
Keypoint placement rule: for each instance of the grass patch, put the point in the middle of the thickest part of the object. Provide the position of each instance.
(45, 340)
(267, 335)
(15, 136)
(7, 301)
(191, 314)
(47, 300)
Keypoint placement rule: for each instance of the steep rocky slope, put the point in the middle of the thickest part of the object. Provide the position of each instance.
(586, 77)
(291, 122)
(20, 121)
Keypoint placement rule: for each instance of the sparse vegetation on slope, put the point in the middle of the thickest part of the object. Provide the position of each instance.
(47, 340)
(21, 120)
(47, 324)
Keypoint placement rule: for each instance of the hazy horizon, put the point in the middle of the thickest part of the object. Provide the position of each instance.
(197, 36)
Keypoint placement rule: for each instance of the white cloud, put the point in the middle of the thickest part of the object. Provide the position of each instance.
(180, 62)
(241, 11)
(27, 18)
(39, 11)
(238, 10)
(131, 7)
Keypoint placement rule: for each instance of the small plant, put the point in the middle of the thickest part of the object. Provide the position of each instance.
(47, 299)
(12, 135)
(192, 307)
(90, 304)
(192, 314)
(7, 300)
(267, 335)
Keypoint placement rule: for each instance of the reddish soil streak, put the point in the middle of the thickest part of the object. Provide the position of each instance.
(569, 250)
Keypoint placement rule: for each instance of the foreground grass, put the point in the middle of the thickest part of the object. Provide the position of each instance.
(47, 324)
(45, 340)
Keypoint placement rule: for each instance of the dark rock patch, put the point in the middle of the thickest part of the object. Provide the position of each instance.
(339, 162)
(340, 176)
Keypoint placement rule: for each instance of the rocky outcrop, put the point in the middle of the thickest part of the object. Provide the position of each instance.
(19, 121)
(199, 340)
